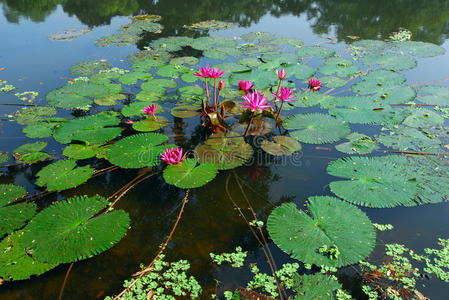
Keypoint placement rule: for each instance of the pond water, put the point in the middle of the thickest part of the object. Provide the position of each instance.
(210, 223)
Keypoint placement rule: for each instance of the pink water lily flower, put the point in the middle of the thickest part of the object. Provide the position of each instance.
(246, 86)
(285, 95)
(150, 109)
(314, 84)
(216, 73)
(203, 73)
(220, 85)
(130, 122)
(281, 74)
(255, 101)
(172, 156)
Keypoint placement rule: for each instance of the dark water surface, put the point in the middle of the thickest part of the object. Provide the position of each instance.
(209, 224)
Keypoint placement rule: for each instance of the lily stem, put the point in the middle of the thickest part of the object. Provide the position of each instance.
(249, 124)
(207, 90)
(215, 94)
(279, 111)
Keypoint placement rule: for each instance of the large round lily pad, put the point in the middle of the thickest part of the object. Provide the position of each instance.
(316, 128)
(335, 234)
(381, 181)
(420, 49)
(137, 151)
(68, 231)
(188, 174)
(16, 263)
(389, 60)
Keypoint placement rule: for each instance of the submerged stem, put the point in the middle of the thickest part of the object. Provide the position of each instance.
(215, 92)
(149, 268)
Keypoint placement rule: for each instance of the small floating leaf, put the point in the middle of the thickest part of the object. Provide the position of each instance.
(63, 175)
(225, 151)
(358, 144)
(187, 174)
(282, 145)
(150, 124)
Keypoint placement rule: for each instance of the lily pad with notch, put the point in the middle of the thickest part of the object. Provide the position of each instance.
(341, 228)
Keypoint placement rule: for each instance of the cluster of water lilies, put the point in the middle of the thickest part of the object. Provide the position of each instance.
(214, 112)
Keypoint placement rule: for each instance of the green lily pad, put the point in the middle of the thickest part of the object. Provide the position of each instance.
(210, 25)
(357, 144)
(4, 157)
(31, 147)
(131, 78)
(300, 71)
(188, 174)
(63, 98)
(436, 95)
(262, 37)
(316, 128)
(308, 99)
(389, 60)
(282, 145)
(333, 81)
(420, 49)
(186, 111)
(395, 95)
(40, 130)
(30, 152)
(34, 114)
(10, 193)
(14, 216)
(109, 100)
(332, 224)
(136, 109)
(80, 151)
(404, 138)
(89, 68)
(63, 175)
(90, 129)
(189, 77)
(191, 90)
(318, 51)
(316, 286)
(150, 124)
(376, 81)
(225, 151)
(16, 263)
(371, 45)
(77, 234)
(374, 182)
(423, 118)
(172, 71)
(137, 151)
(250, 62)
(188, 60)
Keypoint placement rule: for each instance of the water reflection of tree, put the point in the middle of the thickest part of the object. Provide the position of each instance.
(428, 19)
